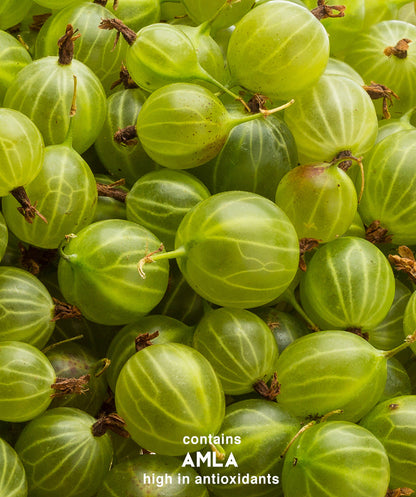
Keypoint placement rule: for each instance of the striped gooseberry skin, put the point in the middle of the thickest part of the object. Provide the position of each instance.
(166, 392)
(57, 4)
(200, 11)
(337, 67)
(409, 319)
(61, 456)
(348, 284)
(265, 429)
(95, 48)
(278, 49)
(26, 377)
(130, 162)
(255, 157)
(160, 199)
(127, 478)
(21, 150)
(241, 250)
(13, 58)
(390, 186)
(43, 91)
(4, 236)
(12, 474)
(12, 12)
(320, 200)
(183, 125)
(328, 370)
(336, 114)
(240, 347)
(26, 308)
(366, 55)
(392, 422)
(336, 458)
(66, 194)
(98, 272)
(137, 14)
(398, 381)
(123, 346)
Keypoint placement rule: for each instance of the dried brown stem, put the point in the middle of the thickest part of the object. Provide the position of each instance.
(125, 80)
(68, 386)
(322, 11)
(103, 3)
(28, 210)
(39, 20)
(147, 259)
(111, 191)
(359, 332)
(126, 136)
(377, 91)
(306, 245)
(269, 393)
(112, 422)
(399, 492)
(145, 340)
(399, 50)
(375, 233)
(128, 34)
(66, 45)
(64, 310)
(405, 261)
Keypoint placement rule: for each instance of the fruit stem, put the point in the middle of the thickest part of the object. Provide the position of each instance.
(289, 297)
(235, 121)
(407, 342)
(101, 366)
(219, 451)
(28, 210)
(72, 111)
(128, 34)
(112, 192)
(329, 414)
(57, 344)
(159, 255)
(205, 27)
(304, 428)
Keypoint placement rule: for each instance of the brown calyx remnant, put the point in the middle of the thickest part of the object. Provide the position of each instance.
(39, 20)
(147, 259)
(112, 422)
(125, 80)
(405, 261)
(126, 136)
(34, 259)
(377, 91)
(323, 10)
(68, 386)
(28, 210)
(115, 5)
(66, 45)
(393, 407)
(257, 103)
(112, 191)
(359, 332)
(103, 3)
(399, 50)
(269, 393)
(306, 245)
(375, 233)
(145, 340)
(128, 34)
(346, 164)
(399, 492)
(65, 311)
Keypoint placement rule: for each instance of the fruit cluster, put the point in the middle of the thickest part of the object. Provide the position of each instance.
(207, 278)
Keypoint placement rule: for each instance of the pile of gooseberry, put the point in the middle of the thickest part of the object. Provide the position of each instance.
(207, 248)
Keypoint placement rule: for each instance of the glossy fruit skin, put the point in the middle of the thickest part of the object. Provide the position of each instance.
(66, 195)
(160, 199)
(129, 162)
(265, 429)
(127, 478)
(107, 207)
(320, 200)
(336, 114)
(392, 423)
(182, 125)
(329, 370)
(105, 254)
(26, 379)
(398, 381)
(409, 318)
(95, 48)
(258, 59)
(336, 458)
(20, 144)
(40, 85)
(190, 399)
(239, 346)
(26, 308)
(12, 59)
(389, 195)
(255, 157)
(12, 12)
(61, 456)
(12, 474)
(122, 347)
(4, 237)
(240, 249)
(348, 284)
(137, 14)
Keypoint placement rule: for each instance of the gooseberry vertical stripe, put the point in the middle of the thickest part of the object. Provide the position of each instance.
(12, 474)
